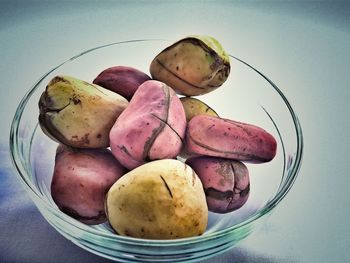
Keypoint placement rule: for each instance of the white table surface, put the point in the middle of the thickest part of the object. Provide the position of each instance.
(303, 46)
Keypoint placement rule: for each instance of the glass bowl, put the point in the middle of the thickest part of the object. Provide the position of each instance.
(247, 96)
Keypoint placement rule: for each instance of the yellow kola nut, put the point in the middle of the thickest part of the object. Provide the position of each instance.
(163, 199)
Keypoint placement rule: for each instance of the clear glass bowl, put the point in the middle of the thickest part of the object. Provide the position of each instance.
(247, 96)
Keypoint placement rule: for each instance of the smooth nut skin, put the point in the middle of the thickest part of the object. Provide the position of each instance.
(226, 182)
(218, 137)
(152, 127)
(81, 180)
(122, 80)
(192, 66)
(163, 199)
(194, 107)
(79, 114)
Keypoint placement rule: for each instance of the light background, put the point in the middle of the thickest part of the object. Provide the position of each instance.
(303, 46)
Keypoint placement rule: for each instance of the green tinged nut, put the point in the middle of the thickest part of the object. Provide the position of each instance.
(77, 113)
(192, 66)
(193, 107)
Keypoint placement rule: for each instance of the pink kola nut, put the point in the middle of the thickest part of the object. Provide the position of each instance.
(151, 127)
(81, 179)
(214, 136)
(225, 182)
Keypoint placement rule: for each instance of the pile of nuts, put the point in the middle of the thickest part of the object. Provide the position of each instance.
(124, 137)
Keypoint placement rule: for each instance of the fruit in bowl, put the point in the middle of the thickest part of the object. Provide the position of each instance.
(144, 135)
(34, 156)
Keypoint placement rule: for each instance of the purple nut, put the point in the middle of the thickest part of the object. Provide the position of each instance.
(226, 182)
(81, 180)
(122, 80)
(152, 127)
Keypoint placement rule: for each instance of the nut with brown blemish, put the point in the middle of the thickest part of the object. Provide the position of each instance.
(192, 66)
(226, 182)
(77, 113)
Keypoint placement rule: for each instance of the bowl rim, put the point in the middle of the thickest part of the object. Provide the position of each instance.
(22, 169)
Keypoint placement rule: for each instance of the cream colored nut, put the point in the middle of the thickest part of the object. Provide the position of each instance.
(163, 199)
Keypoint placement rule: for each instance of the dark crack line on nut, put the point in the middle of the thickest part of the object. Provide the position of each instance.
(46, 110)
(123, 149)
(234, 186)
(75, 100)
(45, 117)
(193, 177)
(167, 124)
(217, 194)
(149, 143)
(233, 169)
(245, 191)
(248, 157)
(96, 88)
(178, 77)
(167, 187)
